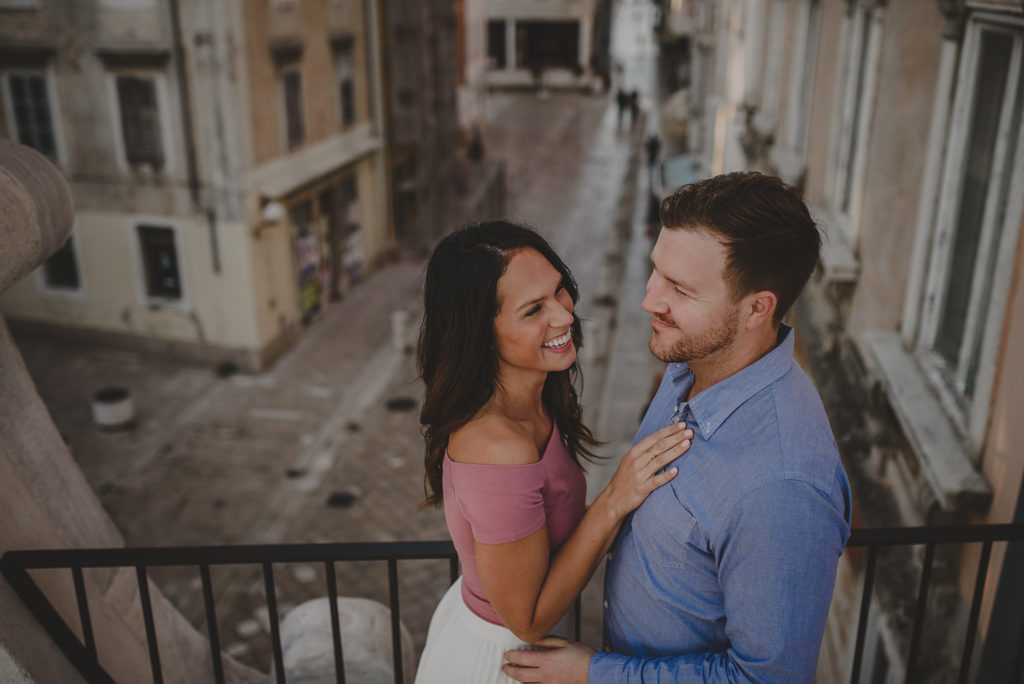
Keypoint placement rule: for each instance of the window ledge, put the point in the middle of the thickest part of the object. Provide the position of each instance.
(946, 466)
(838, 265)
(282, 175)
(134, 56)
(26, 55)
(838, 262)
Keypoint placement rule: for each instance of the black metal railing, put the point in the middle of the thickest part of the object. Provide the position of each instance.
(930, 538)
(16, 566)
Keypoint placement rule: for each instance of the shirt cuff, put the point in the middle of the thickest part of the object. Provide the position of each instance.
(606, 668)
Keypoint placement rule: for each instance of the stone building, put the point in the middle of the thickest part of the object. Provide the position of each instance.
(421, 76)
(900, 121)
(550, 43)
(227, 164)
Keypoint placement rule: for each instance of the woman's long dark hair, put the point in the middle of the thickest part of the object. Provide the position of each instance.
(456, 355)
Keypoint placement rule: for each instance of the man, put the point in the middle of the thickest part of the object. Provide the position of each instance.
(725, 573)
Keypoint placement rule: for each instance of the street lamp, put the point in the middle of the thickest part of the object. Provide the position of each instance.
(271, 213)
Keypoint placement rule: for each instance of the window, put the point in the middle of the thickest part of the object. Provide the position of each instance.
(141, 131)
(802, 75)
(346, 90)
(978, 220)
(60, 271)
(770, 85)
(160, 262)
(789, 155)
(546, 44)
(496, 43)
(862, 38)
(291, 83)
(29, 98)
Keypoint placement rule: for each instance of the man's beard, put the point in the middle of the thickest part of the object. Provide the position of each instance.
(691, 348)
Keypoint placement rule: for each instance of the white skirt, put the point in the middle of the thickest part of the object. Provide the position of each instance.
(463, 648)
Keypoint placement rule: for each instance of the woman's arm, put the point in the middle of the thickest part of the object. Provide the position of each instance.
(529, 589)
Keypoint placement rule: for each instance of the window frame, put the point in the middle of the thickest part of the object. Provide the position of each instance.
(282, 72)
(771, 64)
(182, 303)
(160, 89)
(997, 243)
(852, 129)
(53, 104)
(802, 74)
(342, 55)
(77, 293)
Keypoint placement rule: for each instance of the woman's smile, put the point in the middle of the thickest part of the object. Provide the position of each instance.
(560, 343)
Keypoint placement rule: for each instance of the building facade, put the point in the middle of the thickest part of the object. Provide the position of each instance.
(423, 117)
(542, 43)
(900, 122)
(227, 164)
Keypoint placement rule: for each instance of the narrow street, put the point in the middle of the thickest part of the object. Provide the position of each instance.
(325, 445)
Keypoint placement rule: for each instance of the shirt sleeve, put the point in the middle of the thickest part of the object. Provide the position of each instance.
(777, 563)
(501, 503)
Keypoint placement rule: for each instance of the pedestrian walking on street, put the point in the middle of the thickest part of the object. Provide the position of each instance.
(653, 218)
(653, 145)
(634, 107)
(504, 443)
(622, 100)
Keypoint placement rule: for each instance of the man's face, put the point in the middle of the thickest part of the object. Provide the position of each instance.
(694, 316)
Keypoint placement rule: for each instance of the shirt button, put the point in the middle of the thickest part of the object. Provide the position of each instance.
(609, 556)
(606, 605)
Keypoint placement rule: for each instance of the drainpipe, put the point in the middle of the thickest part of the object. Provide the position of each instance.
(190, 138)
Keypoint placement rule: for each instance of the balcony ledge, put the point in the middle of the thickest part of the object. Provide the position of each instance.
(947, 467)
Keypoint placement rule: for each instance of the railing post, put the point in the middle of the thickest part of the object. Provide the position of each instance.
(275, 631)
(147, 617)
(211, 623)
(972, 621)
(396, 621)
(865, 607)
(922, 605)
(83, 611)
(332, 597)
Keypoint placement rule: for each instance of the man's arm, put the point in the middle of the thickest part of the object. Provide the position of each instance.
(777, 562)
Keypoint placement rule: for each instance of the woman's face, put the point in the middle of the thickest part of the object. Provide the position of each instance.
(533, 325)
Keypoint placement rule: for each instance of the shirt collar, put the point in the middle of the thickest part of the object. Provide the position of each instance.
(715, 404)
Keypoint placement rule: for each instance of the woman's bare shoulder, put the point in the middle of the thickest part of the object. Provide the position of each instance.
(492, 439)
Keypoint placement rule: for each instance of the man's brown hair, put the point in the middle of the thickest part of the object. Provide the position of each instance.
(771, 240)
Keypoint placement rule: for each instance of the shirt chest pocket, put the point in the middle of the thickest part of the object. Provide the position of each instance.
(663, 528)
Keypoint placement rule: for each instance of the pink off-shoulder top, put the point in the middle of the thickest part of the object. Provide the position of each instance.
(495, 504)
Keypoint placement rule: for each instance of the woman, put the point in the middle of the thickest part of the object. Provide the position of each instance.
(504, 438)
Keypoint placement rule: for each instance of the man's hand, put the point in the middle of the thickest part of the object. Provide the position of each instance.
(560, 662)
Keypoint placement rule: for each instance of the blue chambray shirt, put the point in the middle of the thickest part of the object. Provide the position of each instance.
(726, 573)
